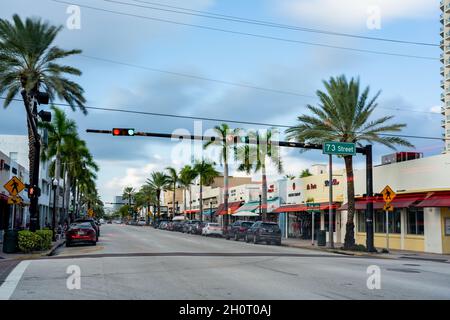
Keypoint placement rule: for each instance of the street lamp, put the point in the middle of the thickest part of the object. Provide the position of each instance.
(54, 187)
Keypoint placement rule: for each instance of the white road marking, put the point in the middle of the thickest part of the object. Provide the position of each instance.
(10, 284)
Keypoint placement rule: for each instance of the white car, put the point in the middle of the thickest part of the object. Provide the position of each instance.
(212, 229)
(102, 221)
(142, 223)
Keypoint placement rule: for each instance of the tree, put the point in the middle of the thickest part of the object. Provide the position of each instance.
(187, 177)
(290, 176)
(305, 173)
(29, 63)
(128, 194)
(343, 114)
(60, 131)
(225, 141)
(146, 196)
(158, 181)
(173, 181)
(206, 173)
(257, 157)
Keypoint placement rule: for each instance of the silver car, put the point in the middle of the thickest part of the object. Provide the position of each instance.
(212, 229)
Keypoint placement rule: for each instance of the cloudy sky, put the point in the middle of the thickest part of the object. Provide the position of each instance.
(135, 56)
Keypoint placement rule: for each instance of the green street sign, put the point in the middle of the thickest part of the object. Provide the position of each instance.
(313, 207)
(339, 148)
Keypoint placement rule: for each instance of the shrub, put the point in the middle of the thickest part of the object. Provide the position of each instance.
(45, 239)
(28, 241)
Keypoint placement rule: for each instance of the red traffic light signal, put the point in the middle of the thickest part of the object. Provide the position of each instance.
(33, 191)
(123, 132)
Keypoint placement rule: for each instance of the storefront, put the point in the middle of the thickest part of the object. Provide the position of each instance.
(4, 215)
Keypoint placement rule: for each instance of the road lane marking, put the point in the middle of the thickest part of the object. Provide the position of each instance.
(10, 284)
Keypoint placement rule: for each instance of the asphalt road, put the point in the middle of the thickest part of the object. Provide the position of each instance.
(143, 263)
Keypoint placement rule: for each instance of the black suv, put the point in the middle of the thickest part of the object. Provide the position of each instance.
(238, 230)
(269, 232)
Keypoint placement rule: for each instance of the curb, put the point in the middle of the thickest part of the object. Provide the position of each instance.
(37, 255)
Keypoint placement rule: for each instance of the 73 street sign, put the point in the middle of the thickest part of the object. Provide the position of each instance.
(339, 148)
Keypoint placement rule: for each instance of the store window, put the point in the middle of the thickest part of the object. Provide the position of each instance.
(327, 224)
(415, 221)
(380, 221)
(395, 225)
(361, 220)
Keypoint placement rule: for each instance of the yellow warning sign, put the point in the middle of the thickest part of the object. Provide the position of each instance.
(14, 186)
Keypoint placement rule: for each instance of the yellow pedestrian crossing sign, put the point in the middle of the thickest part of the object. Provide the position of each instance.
(14, 186)
(388, 194)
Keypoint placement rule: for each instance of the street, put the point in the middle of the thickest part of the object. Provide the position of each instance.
(131, 262)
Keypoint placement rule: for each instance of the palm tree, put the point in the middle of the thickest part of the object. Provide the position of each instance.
(226, 137)
(173, 181)
(305, 173)
(128, 194)
(206, 173)
(60, 131)
(257, 157)
(187, 177)
(29, 63)
(343, 114)
(146, 196)
(158, 181)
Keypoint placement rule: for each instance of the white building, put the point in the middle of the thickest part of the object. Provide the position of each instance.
(445, 70)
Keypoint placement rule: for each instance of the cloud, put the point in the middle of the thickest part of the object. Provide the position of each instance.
(436, 109)
(353, 14)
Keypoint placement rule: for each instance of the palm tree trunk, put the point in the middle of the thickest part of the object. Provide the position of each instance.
(57, 176)
(349, 241)
(226, 193)
(173, 203)
(184, 201)
(158, 195)
(264, 192)
(201, 200)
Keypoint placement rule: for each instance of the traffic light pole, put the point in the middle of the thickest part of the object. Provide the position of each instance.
(367, 151)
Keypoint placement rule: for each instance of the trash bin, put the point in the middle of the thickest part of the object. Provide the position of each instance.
(321, 238)
(10, 241)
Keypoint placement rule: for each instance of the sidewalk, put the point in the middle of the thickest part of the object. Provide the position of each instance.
(393, 254)
(33, 255)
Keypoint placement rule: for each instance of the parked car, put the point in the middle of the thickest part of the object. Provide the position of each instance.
(81, 232)
(269, 232)
(238, 230)
(102, 221)
(187, 227)
(109, 222)
(197, 227)
(93, 224)
(142, 222)
(169, 226)
(163, 225)
(179, 226)
(118, 221)
(212, 229)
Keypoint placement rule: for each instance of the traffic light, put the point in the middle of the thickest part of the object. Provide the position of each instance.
(34, 191)
(123, 132)
(45, 116)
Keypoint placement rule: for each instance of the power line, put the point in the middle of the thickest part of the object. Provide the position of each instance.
(217, 119)
(253, 34)
(211, 15)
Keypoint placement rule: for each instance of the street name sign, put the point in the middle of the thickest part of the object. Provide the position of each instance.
(339, 148)
(14, 186)
(312, 207)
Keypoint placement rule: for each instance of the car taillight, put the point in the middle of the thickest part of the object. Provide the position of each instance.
(242, 229)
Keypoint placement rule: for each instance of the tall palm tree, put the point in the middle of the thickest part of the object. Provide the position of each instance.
(147, 196)
(60, 131)
(206, 173)
(187, 177)
(257, 157)
(128, 194)
(29, 63)
(159, 182)
(173, 181)
(343, 114)
(226, 137)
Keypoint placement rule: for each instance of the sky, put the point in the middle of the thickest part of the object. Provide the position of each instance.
(134, 58)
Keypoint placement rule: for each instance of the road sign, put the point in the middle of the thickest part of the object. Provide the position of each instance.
(388, 194)
(339, 148)
(14, 200)
(14, 186)
(90, 212)
(388, 207)
(312, 206)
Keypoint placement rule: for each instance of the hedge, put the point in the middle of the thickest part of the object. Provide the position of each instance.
(33, 241)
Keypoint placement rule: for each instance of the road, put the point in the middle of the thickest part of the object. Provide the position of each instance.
(131, 262)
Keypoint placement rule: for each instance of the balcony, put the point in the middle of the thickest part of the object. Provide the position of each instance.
(442, 44)
(441, 32)
(442, 97)
(442, 84)
(443, 111)
(442, 57)
(442, 70)
(442, 5)
(447, 63)
(447, 8)
(447, 49)
(443, 123)
(447, 22)
(442, 18)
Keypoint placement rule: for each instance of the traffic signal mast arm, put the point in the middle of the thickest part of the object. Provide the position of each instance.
(246, 140)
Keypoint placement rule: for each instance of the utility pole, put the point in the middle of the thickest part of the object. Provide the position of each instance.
(369, 197)
(330, 204)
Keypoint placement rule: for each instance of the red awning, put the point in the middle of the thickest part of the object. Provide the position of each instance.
(436, 200)
(401, 201)
(191, 211)
(3, 196)
(232, 207)
(291, 208)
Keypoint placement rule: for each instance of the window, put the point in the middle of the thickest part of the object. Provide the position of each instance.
(380, 221)
(361, 216)
(395, 225)
(327, 223)
(415, 221)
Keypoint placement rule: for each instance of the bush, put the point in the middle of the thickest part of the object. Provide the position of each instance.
(45, 239)
(32, 241)
(28, 241)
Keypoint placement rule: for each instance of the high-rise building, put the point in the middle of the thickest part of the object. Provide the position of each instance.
(445, 70)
